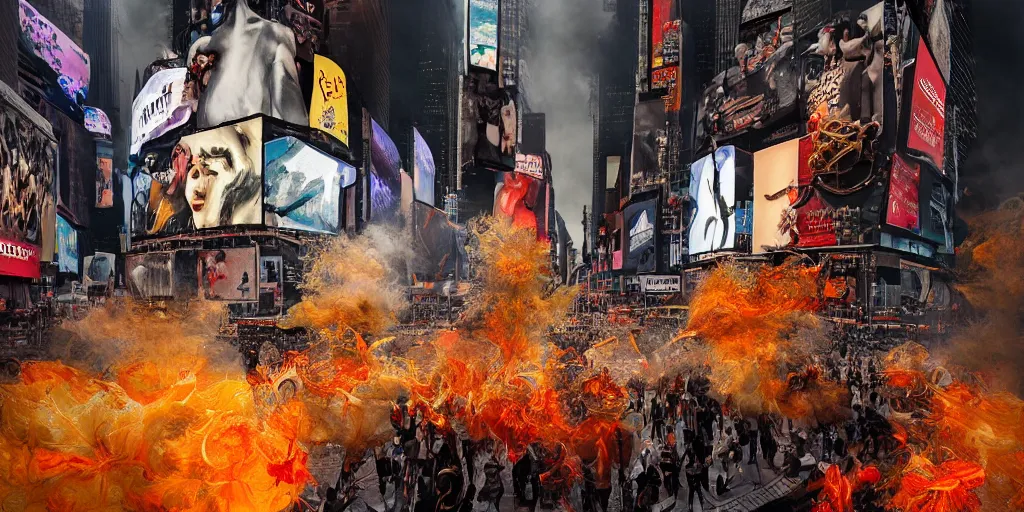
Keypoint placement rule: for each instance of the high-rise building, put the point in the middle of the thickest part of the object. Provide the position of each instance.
(101, 42)
(728, 14)
(961, 96)
(358, 39)
(513, 27)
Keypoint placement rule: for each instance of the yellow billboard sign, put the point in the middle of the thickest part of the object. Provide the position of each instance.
(328, 110)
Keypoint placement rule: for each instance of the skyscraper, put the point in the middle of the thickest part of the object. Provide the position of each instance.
(101, 43)
(358, 39)
(728, 14)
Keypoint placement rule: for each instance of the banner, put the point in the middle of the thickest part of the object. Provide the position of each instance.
(328, 110)
(96, 121)
(928, 109)
(661, 284)
(424, 169)
(530, 165)
(18, 259)
(104, 176)
(904, 182)
(483, 34)
(161, 106)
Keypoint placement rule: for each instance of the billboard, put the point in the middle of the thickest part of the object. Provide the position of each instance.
(57, 50)
(96, 121)
(385, 177)
(661, 284)
(424, 170)
(27, 178)
(937, 216)
(19, 259)
(99, 269)
(271, 278)
(522, 200)
(440, 245)
(649, 134)
(927, 109)
(661, 15)
(904, 182)
(229, 274)
(149, 275)
(640, 251)
(104, 176)
(489, 124)
(162, 105)
(816, 223)
(530, 165)
(775, 191)
(67, 246)
(328, 110)
(612, 165)
(483, 34)
(141, 185)
(713, 187)
(302, 186)
(215, 179)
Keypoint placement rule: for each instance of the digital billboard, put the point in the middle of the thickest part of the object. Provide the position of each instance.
(18, 259)
(641, 245)
(57, 50)
(440, 245)
(489, 124)
(271, 278)
(229, 274)
(215, 179)
(816, 223)
(27, 177)
(522, 200)
(104, 176)
(936, 202)
(648, 139)
(661, 12)
(96, 121)
(385, 180)
(302, 186)
(904, 182)
(328, 109)
(161, 106)
(530, 165)
(67, 246)
(713, 187)
(141, 185)
(99, 269)
(150, 275)
(424, 170)
(483, 34)
(776, 172)
(927, 109)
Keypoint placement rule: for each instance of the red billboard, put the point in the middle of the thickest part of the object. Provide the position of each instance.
(18, 259)
(661, 10)
(903, 198)
(816, 224)
(927, 109)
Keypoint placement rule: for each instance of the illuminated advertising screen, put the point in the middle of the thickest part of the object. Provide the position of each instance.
(161, 106)
(927, 109)
(57, 50)
(530, 165)
(96, 121)
(648, 130)
(215, 179)
(522, 200)
(302, 186)
(641, 249)
(67, 246)
(424, 170)
(713, 189)
(904, 182)
(99, 269)
(483, 34)
(385, 180)
(141, 185)
(440, 245)
(489, 123)
(27, 179)
(229, 274)
(150, 275)
(328, 109)
(661, 12)
(104, 176)
(775, 190)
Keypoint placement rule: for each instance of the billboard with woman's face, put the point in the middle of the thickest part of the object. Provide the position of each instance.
(229, 274)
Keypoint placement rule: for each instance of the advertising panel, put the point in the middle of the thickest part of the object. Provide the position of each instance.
(641, 236)
(57, 50)
(302, 186)
(385, 177)
(904, 181)
(19, 259)
(328, 109)
(483, 34)
(150, 275)
(104, 176)
(530, 165)
(661, 12)
(228, 274)
(440, 245)
(661, 284)
(489, 124)
(141, 184)
(775, 192)
(522, 200)
(67, 246)
(816, 223)
(936, 218)
(215, 179)
(713, 187)
(927, 109)
(99, 269)
(649, 140)
(271, 278)
(161, 106)
(96, 121)
(424, 170)
(27, 178)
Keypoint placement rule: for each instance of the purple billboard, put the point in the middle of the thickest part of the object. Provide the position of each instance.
(385, 176)
(58, 51)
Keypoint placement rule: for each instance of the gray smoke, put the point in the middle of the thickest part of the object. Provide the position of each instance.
(564, 54)
(145, 37)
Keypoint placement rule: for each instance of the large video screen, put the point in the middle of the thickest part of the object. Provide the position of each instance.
(424, 170)
(648, 132)
(489, 123)
(328, 109)
(27, 177)
(55, 48)
(385, 179)
(67, 246)
(483, 34)
(99, 269)
(215, 179)
(96, 121)
(104, 176)
(302, 186)
(713, 187)
(641, 250)
(161, 106)
(776, 172)
(150, 275)
(440, 245)
(523, 201)
(904, 182)
(928, 109)
(661, 15)
(229, 274)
